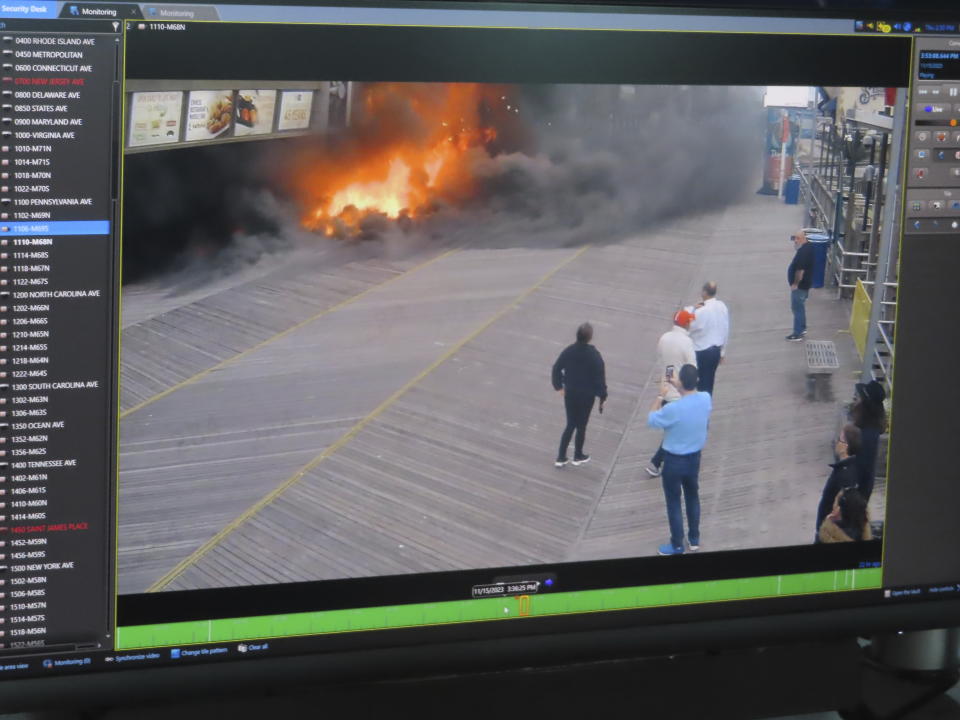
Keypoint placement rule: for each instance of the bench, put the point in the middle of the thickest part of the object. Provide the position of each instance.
(822, 361)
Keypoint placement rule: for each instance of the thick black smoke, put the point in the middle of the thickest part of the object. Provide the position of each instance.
(183, 208)
(593, 163)
(613, 161)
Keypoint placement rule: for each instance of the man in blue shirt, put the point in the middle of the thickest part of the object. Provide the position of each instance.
(684, 423)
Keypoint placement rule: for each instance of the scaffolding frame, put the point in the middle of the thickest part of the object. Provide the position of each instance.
(849, 192)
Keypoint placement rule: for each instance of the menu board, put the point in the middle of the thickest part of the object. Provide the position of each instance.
(295, 109)
(155, 118)
(254, 112)
(209, 114)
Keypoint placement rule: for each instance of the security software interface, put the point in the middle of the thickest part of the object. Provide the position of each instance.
(305, 334)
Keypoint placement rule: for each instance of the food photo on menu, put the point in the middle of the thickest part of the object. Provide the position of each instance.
(209, 113)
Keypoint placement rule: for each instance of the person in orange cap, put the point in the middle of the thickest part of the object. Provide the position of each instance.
(674, 350)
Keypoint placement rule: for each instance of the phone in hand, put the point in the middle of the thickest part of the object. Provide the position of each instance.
(669, 372)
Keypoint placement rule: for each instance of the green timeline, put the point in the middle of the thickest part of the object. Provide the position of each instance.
(396, 616)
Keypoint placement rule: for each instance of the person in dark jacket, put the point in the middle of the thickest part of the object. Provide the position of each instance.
(800, 278)
(580, 376)
(869, 415)
(844, 473)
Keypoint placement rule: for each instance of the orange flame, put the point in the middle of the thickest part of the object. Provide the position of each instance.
(412, 148)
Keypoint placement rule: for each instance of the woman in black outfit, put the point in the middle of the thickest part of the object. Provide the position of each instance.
(869, 415)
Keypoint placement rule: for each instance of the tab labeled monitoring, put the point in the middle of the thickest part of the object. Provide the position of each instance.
(180, 12)
(106, 11)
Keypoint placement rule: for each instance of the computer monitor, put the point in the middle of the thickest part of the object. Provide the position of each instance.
(342, 327)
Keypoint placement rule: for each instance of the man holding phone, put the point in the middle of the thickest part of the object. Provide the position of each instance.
(674, 350)
(684, 422)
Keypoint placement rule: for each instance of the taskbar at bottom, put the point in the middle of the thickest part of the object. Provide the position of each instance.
(277, 636)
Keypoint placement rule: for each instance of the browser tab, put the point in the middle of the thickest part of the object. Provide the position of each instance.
(179, 12)
(101, 11)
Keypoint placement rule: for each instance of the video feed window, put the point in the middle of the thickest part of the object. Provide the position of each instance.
(345, 341)
(434, 322)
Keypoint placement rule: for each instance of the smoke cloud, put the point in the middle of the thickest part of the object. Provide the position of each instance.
(570, 164)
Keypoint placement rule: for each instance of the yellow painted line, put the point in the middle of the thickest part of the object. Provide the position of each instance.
(352, 432)
(244, 353)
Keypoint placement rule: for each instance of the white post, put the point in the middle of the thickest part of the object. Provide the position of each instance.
(783, 151)
(810, 166)
(783, 158)
(887, 237)
(349, 99)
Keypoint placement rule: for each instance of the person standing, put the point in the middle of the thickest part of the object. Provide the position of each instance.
(674, 350)
(800, 276)
(579, 374)
(869, 415)
(710, 330)
(684, 423)
(843, 474)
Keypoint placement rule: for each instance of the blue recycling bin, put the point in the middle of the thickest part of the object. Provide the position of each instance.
(821, 245)
(791, 190)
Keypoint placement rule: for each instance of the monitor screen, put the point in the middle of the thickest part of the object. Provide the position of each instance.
(328, 327)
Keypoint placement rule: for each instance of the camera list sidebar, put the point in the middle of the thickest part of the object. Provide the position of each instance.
(58, 149)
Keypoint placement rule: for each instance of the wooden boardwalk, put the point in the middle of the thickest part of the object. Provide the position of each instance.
(413, 428)
(164, 349)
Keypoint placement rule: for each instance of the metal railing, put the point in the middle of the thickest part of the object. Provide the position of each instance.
(846, 190)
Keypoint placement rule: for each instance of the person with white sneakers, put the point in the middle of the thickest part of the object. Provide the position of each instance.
(800, 277)
(684, 422)
(674, 350)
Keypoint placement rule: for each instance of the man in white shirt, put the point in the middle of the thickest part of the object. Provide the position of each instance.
(710, 331)
(674, 349)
